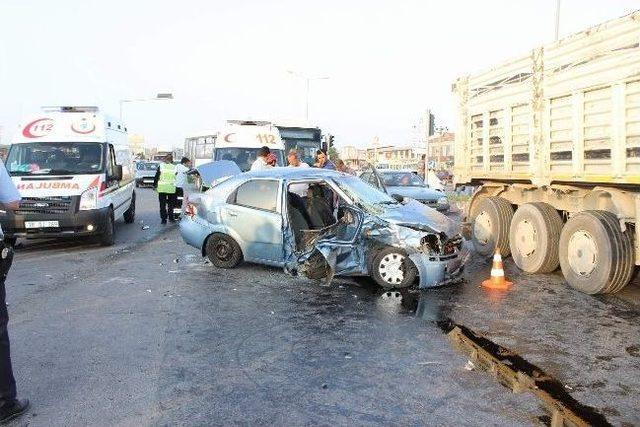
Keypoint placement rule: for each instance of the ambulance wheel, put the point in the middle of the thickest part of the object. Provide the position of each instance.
(107, 238)
(391, 268)
(596, 257)
(130, 214)
(223, 251)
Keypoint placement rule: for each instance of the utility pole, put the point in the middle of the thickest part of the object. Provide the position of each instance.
(557, 19)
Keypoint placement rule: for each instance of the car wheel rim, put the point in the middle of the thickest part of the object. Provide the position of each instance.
(223, 251)
(526, 238)
(482, 228)
(582, 252)
(391, 268)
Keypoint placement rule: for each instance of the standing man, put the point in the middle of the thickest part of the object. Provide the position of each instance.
(10, 406)
(261, 161)
(323, 162)
(182, 171)
(342, 167)
(294, 162)
(165, 184)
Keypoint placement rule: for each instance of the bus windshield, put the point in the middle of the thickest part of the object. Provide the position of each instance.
(54, 158)
(244, 157)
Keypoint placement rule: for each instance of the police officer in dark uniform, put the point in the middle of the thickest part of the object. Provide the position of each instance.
(10, 405)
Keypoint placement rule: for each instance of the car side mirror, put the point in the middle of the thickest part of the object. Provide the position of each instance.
(117, 173)
(397, 198)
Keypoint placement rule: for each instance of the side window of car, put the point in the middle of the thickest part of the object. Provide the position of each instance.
(259, 194)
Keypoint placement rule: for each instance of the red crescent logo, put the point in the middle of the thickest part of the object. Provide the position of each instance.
(83, 132)
(226, 137)
(43, 128)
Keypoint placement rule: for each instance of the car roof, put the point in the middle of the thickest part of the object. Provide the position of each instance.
(294, 173)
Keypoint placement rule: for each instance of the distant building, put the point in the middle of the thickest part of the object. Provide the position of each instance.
(353, 156)
(136, 143)
(441, 150)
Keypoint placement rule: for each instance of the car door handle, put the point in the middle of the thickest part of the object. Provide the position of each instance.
(232, 213)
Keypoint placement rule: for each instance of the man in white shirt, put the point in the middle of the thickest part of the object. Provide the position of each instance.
(261, 161)
(294, 162)
(182, 170)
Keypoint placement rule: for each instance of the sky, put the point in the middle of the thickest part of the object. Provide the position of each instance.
(386, 61)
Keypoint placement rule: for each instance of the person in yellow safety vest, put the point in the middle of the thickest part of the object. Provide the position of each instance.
(165, 184)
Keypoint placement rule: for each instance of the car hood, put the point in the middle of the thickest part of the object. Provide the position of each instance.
(218, 169)
(418, 193)
(417, 216)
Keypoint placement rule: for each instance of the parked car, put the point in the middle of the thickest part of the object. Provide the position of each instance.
(406, 183)
(320, 223)
(145, 172)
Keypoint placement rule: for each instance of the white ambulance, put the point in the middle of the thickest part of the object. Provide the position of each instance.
(74, 170)
(240, 141)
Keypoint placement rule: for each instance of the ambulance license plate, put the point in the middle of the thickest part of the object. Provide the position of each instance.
(41, 224)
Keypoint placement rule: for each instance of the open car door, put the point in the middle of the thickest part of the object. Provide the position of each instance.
(371, 176)
(329, 251)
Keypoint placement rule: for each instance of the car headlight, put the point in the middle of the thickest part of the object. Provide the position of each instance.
(89, 199)
(443, 201)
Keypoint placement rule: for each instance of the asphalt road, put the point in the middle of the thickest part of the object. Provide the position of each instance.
(146, 333)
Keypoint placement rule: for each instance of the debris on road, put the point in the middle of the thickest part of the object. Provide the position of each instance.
(469, 366)
(145, 227)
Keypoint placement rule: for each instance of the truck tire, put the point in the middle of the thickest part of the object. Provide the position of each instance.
(596, 257)
(490, 221)
(130, 214)
(391, 268)
(223, 251)
(534, 236)
(107, 238)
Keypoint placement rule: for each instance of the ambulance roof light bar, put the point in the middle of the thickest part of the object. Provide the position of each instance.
(70, 109)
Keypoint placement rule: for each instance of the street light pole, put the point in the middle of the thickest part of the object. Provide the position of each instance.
(158, 97)
(557, 19)
(307, 80)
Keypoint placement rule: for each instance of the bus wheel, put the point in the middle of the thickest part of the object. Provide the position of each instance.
(596, 257)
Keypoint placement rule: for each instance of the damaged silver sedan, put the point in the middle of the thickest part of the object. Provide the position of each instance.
(321, 223)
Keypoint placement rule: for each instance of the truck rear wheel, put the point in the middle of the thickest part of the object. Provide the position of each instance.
(596, 257)
(534, 236)
(491, 218)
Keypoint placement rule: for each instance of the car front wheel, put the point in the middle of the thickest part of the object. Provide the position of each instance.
(391, 268)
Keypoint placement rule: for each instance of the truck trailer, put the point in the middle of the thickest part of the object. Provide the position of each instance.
(551, 140)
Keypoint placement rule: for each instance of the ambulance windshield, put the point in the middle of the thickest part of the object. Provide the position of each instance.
(55, 158)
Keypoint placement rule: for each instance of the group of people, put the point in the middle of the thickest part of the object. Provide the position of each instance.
(169, 182)
(266, 159)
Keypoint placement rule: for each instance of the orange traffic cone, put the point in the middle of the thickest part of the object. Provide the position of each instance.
(497, 280)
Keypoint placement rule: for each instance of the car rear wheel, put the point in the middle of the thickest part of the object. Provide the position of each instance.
(391, 268)
(596, 257)
(223, 251)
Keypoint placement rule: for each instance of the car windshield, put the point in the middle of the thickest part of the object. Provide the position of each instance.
(147, 166)
(402, 179)
(51, 158)
(244, 157)
(364, 195)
